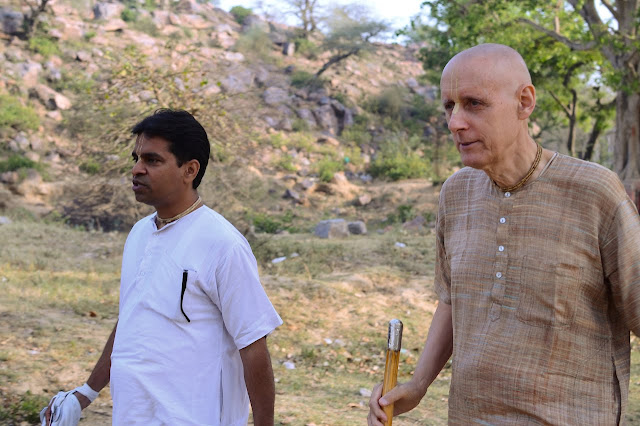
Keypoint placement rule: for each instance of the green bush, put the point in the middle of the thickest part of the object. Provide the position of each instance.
(286, 163)
(146, 25)
(17, 162)
(307, 48)
(44, 46)
(390, 102)
(14, 114)
(403, 213)
(327, 167)
(129, 15)
(240, 13)
(89, 35)
(269, 224)
(301, 79)
(299, 125)
(90, 166)
(397, 166)
(255, 43)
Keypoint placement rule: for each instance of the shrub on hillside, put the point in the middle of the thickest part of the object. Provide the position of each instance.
(398, 165)
(240, 13)
(255, 43)
(14, 114)
(307, 48)
(44, 46)
(129, 15)
(16, 162)
(302, 79)
(146, 25)
(327, 167)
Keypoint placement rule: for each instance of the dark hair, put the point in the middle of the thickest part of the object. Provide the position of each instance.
(187, 138)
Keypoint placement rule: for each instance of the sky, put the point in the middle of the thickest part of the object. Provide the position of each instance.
(397, 12)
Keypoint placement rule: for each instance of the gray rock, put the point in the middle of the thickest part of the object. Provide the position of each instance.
(103, 10)
(160, 18)
(332, 228)
(22, 141)
(12, 21)
(275, 96)
(29, 72)
(326, 118)
(307, 184)
(50, 98)
(9, 177)
(415, 224)
(285, 124)
(363, 200)
(146, 95)
(307, 116)
(238, 80)
(83, 56)
(357, 228)
(290, 194)
(289, 48)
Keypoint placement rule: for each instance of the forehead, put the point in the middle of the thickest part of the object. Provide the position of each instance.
(146, 144)
(460, 80)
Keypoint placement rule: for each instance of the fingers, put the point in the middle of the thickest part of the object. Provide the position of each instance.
(376, 416)
(47, 414)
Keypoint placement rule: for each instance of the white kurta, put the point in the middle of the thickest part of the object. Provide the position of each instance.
(166, 370)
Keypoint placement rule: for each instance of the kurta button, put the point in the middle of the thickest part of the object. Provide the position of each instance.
(507, 194)
(503, 220)
(500, 248)
(499, 274)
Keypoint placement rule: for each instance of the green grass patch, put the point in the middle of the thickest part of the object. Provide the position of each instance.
(14, 114)
(44, 45)
(327, 167)
(22, 408)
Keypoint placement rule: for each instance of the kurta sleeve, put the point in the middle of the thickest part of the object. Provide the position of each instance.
(620, 253)
(442, 279)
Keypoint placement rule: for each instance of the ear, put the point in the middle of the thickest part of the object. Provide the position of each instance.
(526, 101)
(191, 169)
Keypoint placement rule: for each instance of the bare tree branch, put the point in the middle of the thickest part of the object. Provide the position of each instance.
(611, 8)
(558, 37)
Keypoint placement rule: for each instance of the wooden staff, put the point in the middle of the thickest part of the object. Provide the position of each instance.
(394, 343)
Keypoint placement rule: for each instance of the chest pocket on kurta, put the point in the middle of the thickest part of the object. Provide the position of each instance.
(548, 293)
(166, 290)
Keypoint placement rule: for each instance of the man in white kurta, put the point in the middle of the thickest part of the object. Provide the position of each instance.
(175, 368)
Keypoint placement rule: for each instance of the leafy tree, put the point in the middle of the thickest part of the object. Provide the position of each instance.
(568, 45)
(349, 33)
(306, 11)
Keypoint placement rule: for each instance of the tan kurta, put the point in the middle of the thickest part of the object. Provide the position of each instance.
(544, 285)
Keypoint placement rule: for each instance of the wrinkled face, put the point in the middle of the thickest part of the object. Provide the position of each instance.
(157, 178)
(481, 108)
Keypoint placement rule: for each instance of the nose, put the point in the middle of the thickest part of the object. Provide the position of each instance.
(457, 121)
(138, 168)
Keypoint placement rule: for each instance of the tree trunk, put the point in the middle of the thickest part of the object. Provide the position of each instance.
(627, 147)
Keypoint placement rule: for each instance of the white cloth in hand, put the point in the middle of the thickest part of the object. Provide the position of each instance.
(65, 410)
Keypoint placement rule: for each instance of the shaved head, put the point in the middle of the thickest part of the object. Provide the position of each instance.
(501, 64)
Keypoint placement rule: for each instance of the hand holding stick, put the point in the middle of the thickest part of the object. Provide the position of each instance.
(394, 343)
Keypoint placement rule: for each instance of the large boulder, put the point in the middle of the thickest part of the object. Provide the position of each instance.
(254, 22)
(332, 228)
(326, 118)
(104, 10)
(12, 21)
(239, 80)
(275, 96)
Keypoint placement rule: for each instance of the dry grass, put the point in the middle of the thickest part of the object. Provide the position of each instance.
(59, 303)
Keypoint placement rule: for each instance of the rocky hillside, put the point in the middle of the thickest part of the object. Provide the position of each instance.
(287, 148)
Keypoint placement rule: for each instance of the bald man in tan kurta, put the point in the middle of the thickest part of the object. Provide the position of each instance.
(538, 268)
